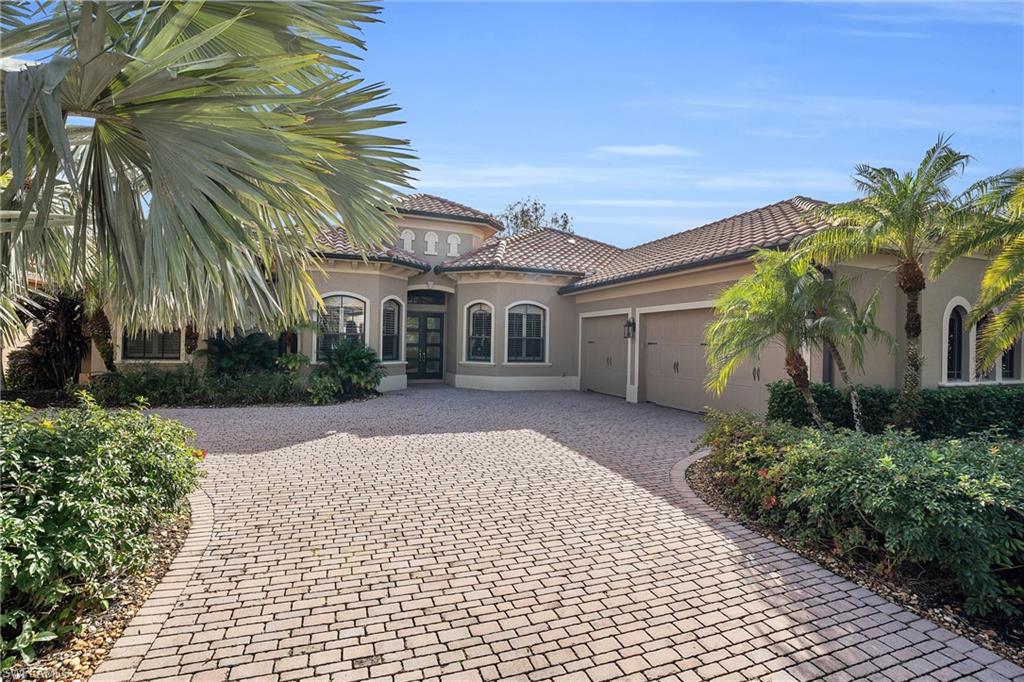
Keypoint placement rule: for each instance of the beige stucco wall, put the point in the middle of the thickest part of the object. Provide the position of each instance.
(962, 279)
(502, 291)
(374, 283)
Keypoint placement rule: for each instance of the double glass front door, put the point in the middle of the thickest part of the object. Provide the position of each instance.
(424, 336)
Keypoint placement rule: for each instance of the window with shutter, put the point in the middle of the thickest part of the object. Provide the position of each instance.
(478, 326)
(343, 318)
(152, 346)
(526, 333)
(391, 317)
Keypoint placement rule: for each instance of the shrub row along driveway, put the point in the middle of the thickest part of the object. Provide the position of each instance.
(443, 533)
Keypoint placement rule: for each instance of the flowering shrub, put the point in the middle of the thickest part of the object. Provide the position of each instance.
(955, 507)
(80, 491)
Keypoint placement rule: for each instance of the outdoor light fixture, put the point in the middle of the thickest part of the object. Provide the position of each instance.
(629, 328)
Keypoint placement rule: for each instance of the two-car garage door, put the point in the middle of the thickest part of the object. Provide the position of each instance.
(673, 366)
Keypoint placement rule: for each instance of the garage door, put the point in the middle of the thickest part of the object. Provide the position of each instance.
(603, 355)
(674, 366)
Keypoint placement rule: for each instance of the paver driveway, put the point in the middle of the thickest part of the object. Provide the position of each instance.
(444, 533)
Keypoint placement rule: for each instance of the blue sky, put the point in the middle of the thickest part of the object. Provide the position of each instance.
(644, 119)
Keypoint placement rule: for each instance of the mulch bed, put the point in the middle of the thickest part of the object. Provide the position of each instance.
(76, 656)
(916, 592)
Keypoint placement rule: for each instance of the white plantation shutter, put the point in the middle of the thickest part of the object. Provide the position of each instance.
(390, 321)
(478, 343)
(526, 333)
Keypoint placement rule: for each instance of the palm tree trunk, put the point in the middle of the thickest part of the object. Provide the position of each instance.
(912, 283)
(858, 413)
(797, 370)
(97, 326)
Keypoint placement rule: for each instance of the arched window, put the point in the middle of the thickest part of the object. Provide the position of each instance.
(454, 241)
(431, 240)
(408, 237)
(956, 348)
(479, 328)
(525, 333)
(390, 331)
(343, 318)
(1009, 363)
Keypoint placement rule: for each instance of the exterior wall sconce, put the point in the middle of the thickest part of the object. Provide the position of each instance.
(629, 328)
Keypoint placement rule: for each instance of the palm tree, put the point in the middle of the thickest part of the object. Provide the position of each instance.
(991, 221)
(772, 305)
(900, 214)
(841, 325)
(223, 138)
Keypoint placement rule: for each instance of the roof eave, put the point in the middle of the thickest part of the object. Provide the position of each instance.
(497, 227)
(506, 268)
(376, 259)
(717, 260)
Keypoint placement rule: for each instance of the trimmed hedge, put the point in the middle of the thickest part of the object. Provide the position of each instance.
(952, 509)
(185, 386)
(80, 491)
(950, 412)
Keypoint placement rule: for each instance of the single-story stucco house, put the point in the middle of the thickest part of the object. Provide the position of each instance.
(455, 301)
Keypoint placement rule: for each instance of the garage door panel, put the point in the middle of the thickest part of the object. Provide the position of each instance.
(674, 366)
(603, 355)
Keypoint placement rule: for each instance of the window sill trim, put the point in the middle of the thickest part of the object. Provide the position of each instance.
(478, 363)
(526, 364)
(142, 361)
(989, 382)
(388, 363)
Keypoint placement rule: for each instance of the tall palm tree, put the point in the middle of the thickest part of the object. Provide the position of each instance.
(221, 139)
(844, 327)
(770, 306)
(900, 214)
(991, 221)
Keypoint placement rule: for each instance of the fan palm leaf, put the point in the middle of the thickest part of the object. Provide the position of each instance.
(225, 139)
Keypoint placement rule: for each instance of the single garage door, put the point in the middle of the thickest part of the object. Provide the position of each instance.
(674, 366)
(603, 355)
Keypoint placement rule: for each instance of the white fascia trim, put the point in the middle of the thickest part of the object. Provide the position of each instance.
(463, 331)
(547, 334)
(691, 305)
(397, 382)
(431, 286)
(489, 383)
(401, 330)
(579, 340)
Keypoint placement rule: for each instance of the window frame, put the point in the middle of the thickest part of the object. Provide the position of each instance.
(399, 331)
(454, 243)
(546, 327)
(366, 320)
(430, 240)
(468, 330)
(123, 348)
(956, 350)
(408, 238)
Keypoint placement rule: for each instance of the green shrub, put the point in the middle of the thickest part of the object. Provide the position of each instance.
(324, 390)
(354, 367)
(81, 489)
(240, 353)
(956, 506)
(53, 355)
(947, 412)
(186, 386)
(291, 362)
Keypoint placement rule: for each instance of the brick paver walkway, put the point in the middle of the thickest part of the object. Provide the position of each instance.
(458, 535)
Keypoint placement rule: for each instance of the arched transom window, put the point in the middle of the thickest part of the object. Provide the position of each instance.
(343, 318)
(525, 342)
(479, 326)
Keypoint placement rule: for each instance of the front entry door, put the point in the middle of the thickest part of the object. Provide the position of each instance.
(424, 336)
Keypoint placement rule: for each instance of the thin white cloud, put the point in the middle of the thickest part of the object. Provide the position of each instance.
(470, 174)
(792, 182)
(883, 35)
(647, 150)
(844, 112)
(650, 203)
